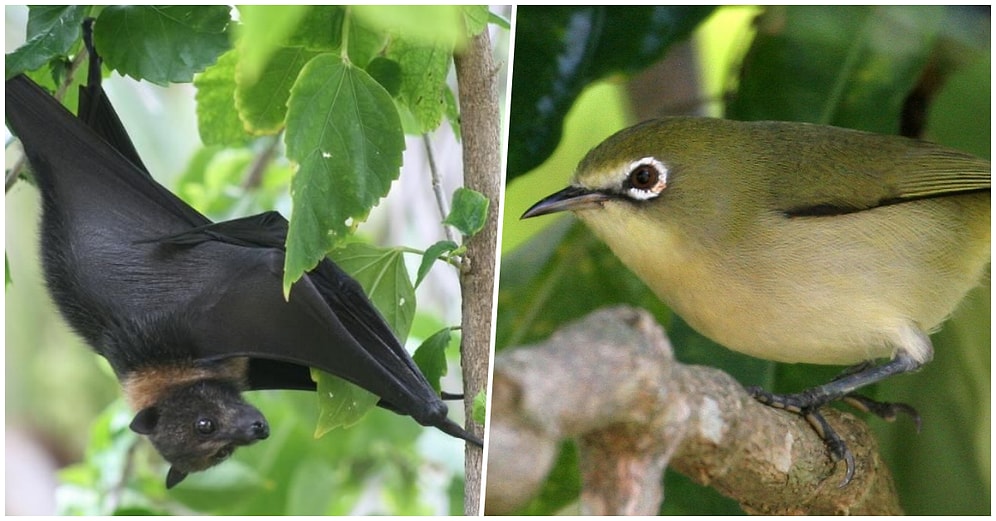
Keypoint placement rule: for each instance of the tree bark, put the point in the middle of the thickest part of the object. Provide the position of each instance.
(610, 382)
(480, 121)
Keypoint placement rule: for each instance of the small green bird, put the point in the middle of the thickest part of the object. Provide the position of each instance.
(793, 242)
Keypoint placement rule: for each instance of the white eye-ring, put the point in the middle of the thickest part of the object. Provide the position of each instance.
(646, 178)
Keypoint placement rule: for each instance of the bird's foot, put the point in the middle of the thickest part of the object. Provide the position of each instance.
(808, 403)
(888, 411)
(807, 407)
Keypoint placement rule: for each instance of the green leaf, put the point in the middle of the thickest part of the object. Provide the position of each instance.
(569, 48)
(424, 66)
(321, 29)
(214, 182)
(344, 132)
(430, 357)
(262, 98)
(207, 182)
(850, 67)
(387, 72)
(263, 32)
(162, 44)
(382, 273)
(480, 411)
(469, 212)
(217, 120)
(51, 77)
(476, 19)
(431, 254)
(453, 113)
(340, 403)
(365, 42)
(499, 21)
(52, 31)
(423, 23)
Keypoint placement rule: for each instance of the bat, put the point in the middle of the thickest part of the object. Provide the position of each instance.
(189, 312)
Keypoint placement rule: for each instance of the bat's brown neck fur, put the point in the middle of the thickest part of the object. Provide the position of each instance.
(146, 387)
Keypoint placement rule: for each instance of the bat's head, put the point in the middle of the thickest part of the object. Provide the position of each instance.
(198, 425)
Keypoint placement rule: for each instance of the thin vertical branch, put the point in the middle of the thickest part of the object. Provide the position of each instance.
(480, 124)
(437, 186)
(254, 177)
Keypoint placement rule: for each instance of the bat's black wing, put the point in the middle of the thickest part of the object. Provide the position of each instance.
(132, 251)
(328, 322)
(84, 164)
(96, 111)
(98, 208)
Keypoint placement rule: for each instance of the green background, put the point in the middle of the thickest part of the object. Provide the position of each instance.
(847, 66)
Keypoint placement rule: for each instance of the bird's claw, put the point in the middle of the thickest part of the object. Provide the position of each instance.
(801, 404)
(888, 411)
(835, 444)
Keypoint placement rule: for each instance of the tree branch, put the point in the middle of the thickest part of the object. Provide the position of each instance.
(254, 177)
(437, 187)
(611, 383)
(480, 122)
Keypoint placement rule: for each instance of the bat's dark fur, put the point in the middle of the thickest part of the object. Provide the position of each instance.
(188, 312)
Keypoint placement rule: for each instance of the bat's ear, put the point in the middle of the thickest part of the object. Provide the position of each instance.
(145, 423)
(174, 476)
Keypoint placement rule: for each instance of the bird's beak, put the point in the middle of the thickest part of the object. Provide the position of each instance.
(570, 198)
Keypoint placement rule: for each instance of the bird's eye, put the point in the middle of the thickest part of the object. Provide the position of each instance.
(644, 177)
(205, 426)
(647, 178)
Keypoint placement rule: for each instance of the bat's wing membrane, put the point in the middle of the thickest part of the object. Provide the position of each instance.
(96, 111)
(327, 284)
(85, 172)
(328, 322)
(245, 314)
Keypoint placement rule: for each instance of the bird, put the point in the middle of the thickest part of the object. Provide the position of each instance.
(793, 242)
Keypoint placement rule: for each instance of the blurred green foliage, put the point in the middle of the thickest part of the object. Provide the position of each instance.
(565, 49)
(886, 69)
(261, 75)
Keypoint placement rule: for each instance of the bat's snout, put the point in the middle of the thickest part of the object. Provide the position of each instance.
(259, 430)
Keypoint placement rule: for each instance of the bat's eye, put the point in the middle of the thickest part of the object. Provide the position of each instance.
(205, 426)
(224, 453)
